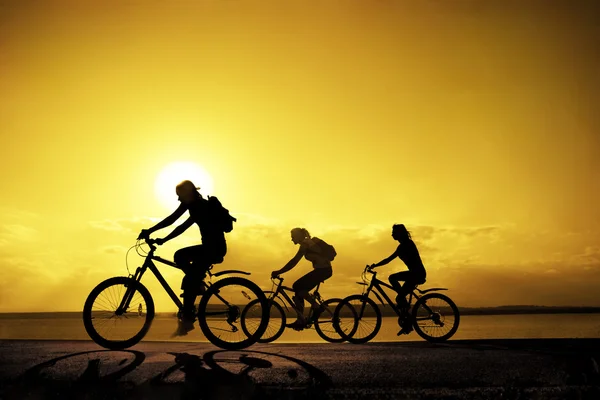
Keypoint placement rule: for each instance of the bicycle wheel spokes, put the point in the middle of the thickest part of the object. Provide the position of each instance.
(113, 325)
(251, 319)
(113, 322)
(435, 317)
(333, 329)
(368, 318)
(221, 311)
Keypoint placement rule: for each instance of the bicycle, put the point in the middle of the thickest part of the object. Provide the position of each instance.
(322, 318)
(123, 303)
(425, 317)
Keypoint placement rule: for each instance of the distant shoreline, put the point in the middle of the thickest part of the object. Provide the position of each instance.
(507, 310)
(386, 311)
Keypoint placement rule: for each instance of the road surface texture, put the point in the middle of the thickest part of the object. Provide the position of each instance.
(462, 369)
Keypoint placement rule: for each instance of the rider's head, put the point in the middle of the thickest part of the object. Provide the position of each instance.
(299, 234)
(187, 192)
(400, 233)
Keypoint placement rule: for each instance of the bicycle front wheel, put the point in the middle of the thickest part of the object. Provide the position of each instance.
(275, 326)
(118, 313)
(327, 324)
(435, 317)
(368, 318)
(219, 313)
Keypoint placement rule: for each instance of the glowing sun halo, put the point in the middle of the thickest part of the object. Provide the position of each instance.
(173, 173)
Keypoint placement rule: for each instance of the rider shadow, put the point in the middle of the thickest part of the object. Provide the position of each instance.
(227, 375)
(219, 374)
(61, 377)
(197, 382)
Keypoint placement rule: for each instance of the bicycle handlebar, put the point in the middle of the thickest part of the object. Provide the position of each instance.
(150, 243)
(368, 268)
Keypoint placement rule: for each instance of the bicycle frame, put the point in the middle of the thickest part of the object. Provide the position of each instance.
(379, 292)
(148, 264)
(282, 290)
(377, 284)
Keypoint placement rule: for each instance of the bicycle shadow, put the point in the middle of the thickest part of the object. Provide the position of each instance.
(224, 374)
(61, 377)
(218, 374)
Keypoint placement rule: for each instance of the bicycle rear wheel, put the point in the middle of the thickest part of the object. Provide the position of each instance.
(327, 324)
(219, 313)
(368, 318)
(118, 313)
(435, 317)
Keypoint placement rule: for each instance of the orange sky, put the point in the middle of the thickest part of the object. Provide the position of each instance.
(473, 122)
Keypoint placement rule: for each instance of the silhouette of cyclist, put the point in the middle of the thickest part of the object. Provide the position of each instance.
(193, 260)
(322, 271)
(406, 251)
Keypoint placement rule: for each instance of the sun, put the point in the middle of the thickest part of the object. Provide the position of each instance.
(173, 173)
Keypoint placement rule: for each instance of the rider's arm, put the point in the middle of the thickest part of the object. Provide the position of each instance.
(169, 220)
(292, 263)
(386, 260)
(179, 230)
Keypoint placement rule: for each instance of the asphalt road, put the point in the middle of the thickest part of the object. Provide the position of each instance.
(464, 369)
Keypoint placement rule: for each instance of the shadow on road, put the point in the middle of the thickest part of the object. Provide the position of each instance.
(215, 375)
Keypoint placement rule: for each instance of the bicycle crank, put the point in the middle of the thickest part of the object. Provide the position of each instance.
(233, 314)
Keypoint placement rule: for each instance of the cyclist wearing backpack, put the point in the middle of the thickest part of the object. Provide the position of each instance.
(320, 254)
(213, 221)
(407, 251)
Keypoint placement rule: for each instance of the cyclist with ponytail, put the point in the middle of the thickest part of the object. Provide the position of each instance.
(320, 254)
(415, 275)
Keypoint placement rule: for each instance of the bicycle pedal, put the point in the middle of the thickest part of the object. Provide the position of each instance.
(404, 331)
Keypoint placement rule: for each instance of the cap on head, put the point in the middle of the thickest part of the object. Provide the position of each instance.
(186, 187)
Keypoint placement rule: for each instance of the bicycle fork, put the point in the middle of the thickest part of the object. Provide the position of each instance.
(125, 302)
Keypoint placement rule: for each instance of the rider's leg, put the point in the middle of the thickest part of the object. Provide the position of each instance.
(304, 285)
(194, 261)
(409, 285)
(405, 320)
(202, 258)
(183, 258)
(321, 275)
(395, 282)
(299, 297)
(301, 288)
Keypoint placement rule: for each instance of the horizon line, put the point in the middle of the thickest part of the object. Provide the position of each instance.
(459, 307)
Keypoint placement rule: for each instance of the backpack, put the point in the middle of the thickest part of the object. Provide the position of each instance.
(223, 219)
(327, 250)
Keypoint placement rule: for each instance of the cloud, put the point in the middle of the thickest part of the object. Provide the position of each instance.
(107, 225)
(481, 265)
(475, 261)
(20, 276)
(13, 214)
(589, 257)
(114, 249)
(124, 225)
(263, 248)
(18, 226)
(12, 234)
(506, 284)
